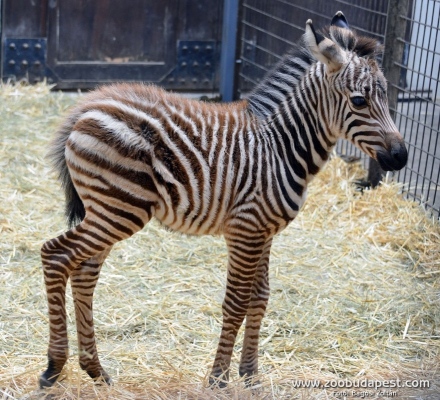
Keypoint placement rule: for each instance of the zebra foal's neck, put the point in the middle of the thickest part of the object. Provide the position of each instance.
(294, 106)
(280, 83)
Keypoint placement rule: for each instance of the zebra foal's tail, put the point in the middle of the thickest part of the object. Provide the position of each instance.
(74, 209)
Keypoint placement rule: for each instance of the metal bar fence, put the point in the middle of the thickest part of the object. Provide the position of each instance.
(417, 112)
(269, 28)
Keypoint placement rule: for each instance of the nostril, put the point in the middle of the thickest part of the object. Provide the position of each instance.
(399, 154)
(396, 154)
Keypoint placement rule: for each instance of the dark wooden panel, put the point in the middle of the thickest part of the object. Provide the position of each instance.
(97, 41)
(24, 18)
(199, 19)
(109, 31)
(92, 41)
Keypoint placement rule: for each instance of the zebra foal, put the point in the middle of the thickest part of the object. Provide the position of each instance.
(128, 153)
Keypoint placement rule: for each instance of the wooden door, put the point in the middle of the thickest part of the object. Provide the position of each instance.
(174, 43)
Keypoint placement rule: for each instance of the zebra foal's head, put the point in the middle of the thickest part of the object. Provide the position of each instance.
(358, 90)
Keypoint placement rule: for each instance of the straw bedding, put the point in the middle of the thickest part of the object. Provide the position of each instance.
(355, 284)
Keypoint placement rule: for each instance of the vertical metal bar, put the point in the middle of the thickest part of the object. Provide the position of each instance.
(1, 40)
(395, 29)
(227, 58)
(236, 94)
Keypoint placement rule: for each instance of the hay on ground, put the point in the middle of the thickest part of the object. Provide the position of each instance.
(355, 283)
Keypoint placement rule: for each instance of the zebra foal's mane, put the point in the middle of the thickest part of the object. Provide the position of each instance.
(279, 83)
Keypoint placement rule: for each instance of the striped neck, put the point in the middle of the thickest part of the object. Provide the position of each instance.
(299, 126)
(279, 84)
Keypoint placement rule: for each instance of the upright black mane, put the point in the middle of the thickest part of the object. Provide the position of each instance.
(350, 40)
(278, 83)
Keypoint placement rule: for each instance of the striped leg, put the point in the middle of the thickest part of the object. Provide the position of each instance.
(57, 267)
(244, 257)
(84, 279)
(254, 316)
(60, 257)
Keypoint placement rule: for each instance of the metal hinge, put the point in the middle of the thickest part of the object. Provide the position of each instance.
(24, 59)
(196, 65)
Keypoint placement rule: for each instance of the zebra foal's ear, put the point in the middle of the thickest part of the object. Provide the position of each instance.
(339, 20)
(324, 49)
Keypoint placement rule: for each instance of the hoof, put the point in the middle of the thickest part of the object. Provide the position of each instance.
(52, 373)
(101, 377)
(103, 380)
(47, 382)
(250, 376)
(251, 383)
(217, 382)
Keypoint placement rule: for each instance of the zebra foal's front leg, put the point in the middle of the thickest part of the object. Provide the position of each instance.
(245, 254)
(254, 316)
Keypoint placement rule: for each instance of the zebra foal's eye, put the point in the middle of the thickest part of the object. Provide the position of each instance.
(358, 101)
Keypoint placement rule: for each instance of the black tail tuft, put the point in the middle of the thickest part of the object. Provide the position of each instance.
(75, 211)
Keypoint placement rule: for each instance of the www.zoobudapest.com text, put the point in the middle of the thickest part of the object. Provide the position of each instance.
(361, 383)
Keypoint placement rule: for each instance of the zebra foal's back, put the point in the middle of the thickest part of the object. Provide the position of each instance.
(181, 155)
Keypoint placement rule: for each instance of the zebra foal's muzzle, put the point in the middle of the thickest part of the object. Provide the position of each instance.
(394, 156)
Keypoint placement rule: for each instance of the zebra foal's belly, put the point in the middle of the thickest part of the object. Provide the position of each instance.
(185, 218)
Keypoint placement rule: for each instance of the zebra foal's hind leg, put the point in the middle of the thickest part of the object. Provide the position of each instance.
(79, 254)
(83, 280)
(60, 256)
